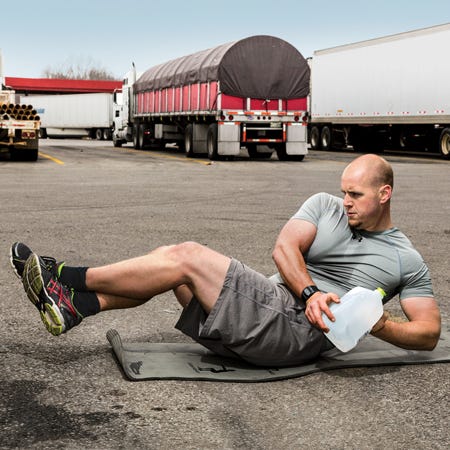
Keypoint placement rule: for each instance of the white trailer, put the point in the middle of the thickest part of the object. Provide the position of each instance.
(75, 115)
(381, 93)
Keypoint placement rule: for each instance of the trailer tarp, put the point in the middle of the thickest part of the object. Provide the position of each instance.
(263, 67)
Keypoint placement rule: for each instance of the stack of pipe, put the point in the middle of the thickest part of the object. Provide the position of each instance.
(18, 112)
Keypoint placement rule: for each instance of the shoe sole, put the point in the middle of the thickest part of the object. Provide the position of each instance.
(11, 260)
(33, 283)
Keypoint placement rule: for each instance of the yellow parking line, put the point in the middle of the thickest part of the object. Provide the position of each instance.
(55, 160)
(179, 158)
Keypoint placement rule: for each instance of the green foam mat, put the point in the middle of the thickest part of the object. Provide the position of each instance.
(191, 361)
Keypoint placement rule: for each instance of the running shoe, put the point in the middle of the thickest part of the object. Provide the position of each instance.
(51, 298)
(18, 255)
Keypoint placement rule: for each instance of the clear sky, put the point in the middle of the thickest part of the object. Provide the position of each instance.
(111, 34)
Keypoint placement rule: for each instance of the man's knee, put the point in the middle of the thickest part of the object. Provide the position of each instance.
(186, 252)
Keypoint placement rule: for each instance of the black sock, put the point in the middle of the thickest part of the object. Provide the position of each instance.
(74, 277)
(86, 303)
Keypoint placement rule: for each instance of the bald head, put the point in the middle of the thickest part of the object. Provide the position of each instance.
(374, 169)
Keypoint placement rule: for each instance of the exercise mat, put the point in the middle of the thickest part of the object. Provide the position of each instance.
(191, 361)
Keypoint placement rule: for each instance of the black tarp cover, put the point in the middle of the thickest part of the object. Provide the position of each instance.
(262, 67)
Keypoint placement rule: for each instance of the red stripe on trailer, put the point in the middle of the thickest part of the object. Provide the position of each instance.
(213, 95)
(297, 104)
(230, 102)
(170, 100)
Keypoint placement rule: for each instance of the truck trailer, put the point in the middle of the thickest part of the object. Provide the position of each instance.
(75, 115)
(251, 92)
(19, 125)
(19, 128)
(381, 93)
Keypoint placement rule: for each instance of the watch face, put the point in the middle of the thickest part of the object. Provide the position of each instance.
(308, 291)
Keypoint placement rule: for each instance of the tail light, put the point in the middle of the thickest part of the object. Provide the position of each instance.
(28, 134)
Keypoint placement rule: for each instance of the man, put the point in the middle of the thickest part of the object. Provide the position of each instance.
(330, 246)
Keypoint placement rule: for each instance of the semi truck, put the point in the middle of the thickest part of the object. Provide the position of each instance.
(386, 92)
(19, 125)
(75, 115)
(248, 93)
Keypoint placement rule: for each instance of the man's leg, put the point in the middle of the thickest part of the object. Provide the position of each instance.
(198, 268)
(189, 269)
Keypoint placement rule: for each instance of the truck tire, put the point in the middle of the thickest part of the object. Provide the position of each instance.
(107, 134)
(211, 142)
(281, 152)
(117, 142)
(99, 134)
(325, 138)
(315, 138)
(444, 143)
(189, 141)
(141, 136)
(135, 137)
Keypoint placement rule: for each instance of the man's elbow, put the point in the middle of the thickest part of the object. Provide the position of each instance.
(276, 254)
(433, 340)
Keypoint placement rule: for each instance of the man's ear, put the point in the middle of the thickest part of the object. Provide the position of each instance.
(385, 193)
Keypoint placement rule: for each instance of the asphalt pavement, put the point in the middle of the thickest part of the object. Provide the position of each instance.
(89, 203)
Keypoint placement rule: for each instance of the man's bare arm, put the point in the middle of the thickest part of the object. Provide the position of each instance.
(293, 242)
(422, 330)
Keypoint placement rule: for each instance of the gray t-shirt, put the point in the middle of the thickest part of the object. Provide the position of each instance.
(340, 258)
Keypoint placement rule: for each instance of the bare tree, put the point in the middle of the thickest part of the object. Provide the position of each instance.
(83, 69)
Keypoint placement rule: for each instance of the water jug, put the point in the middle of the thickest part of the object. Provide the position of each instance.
(356, 314)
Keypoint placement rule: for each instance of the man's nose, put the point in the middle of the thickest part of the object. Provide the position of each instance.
(347, 200)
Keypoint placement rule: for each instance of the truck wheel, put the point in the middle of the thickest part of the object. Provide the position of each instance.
(325, 138)
(141, 136)
(315, 138)
(135, 137)
(189, 141)
(117, 142)
(107, 134)
(99, 134)
(444, 143)
(281, 152)
(211, 142)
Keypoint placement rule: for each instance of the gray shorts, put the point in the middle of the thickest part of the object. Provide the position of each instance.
(255, 319)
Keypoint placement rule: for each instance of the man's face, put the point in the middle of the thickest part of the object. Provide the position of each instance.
(361, 200)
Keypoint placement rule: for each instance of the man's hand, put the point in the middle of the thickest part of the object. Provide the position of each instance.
(318, 304)
(380, 324)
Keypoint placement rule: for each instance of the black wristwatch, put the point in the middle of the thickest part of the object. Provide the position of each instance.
(308, 291)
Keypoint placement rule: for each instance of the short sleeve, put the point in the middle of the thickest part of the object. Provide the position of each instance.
(312, 209)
